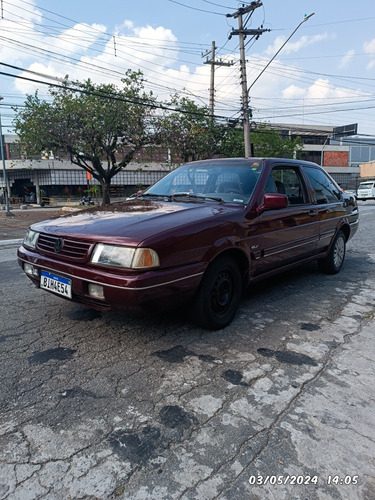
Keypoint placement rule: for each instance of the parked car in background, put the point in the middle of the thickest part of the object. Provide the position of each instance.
(366, 191)
(351, 192)
(199, 236)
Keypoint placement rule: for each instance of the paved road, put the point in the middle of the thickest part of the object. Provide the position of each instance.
(101, 406)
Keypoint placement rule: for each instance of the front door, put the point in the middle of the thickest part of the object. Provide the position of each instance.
(290, 234)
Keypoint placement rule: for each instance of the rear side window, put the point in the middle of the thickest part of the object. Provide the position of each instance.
(325, 189)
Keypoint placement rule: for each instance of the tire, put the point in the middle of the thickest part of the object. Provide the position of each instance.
(219, 294)
(332, 264)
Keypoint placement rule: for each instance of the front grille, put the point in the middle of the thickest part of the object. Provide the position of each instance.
(71, 249)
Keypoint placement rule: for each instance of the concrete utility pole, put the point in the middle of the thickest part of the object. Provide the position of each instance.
(5, 190)
(242, 32)
(213, 63)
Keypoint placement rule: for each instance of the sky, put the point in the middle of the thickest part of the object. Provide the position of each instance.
(324, 75)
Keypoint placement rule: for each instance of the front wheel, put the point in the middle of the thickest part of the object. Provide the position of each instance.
(219, 295)
(335, 258)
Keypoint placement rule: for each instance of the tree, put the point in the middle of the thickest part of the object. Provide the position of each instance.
(231, 144)
(189, 130)
(100, 127)
(266, 142)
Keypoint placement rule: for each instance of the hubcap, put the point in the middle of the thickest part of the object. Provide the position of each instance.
(338, 255)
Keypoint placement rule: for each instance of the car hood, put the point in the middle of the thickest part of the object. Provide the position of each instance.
(133, 221)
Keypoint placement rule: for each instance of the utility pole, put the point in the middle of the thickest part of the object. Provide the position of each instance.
(214, 63)
(242, 32)
(5, 190)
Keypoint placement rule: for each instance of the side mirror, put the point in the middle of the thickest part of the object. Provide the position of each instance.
(273, 201)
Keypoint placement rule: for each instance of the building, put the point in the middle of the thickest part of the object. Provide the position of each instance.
(367, 170)
(52, 176)
(331, 148)
(339, 153)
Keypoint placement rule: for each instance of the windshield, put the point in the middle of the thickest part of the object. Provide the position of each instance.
(366, 185)
(226, 181)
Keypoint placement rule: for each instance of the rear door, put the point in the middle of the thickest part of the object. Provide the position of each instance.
(328, 202)
(290, 234)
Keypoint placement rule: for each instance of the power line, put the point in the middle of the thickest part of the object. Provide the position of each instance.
(125, 53)
(110, 96)
(195, 8)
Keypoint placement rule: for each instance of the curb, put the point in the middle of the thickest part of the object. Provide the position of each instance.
(10, 242)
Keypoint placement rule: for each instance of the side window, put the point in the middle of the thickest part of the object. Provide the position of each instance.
(326, 191)
(288, 181)
(270, 185)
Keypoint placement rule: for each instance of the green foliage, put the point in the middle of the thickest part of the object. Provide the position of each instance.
(93, 191)
(231, 143)
(266, 142)
(189, 131)
(100, 127)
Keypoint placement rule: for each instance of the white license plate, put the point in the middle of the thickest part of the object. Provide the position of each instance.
(56, 284)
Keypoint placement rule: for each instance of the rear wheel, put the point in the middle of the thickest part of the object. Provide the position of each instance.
(219, 294)
(335, 258)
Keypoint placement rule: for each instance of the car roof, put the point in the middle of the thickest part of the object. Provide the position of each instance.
(251, 160)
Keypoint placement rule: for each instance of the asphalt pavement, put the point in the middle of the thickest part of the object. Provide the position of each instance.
(299, 426)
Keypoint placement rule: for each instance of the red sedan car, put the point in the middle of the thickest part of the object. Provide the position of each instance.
(199, 236)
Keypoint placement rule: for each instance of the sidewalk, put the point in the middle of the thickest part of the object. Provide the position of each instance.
(13, 227)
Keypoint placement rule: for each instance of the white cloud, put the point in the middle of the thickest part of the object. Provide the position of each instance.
(322, 90)
(18, 12)
(346, 60)
(369, 48)
(294, 92)
(128, 24)
(292, 47)
(38, 71)
(77, 39)
(88, 51)
(17, 30)
(105, 59)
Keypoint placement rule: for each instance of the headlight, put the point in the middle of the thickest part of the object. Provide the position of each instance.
(30, 239)
(119, 256)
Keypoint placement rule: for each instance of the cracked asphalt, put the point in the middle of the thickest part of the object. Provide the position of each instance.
(279, 405)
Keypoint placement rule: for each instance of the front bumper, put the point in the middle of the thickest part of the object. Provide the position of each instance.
(123, 290)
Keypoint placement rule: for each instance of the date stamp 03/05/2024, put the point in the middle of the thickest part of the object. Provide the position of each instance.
(290, 479)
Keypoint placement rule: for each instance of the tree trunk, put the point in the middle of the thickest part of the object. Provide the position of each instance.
(105, 185)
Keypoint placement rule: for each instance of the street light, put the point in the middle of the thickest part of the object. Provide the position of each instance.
(283, 45)
(8, 212)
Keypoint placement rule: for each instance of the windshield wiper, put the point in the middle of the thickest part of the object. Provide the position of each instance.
(153, 195)
(189, 196)
(196, 197)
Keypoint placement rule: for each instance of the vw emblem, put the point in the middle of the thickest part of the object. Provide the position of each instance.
(59, 243)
